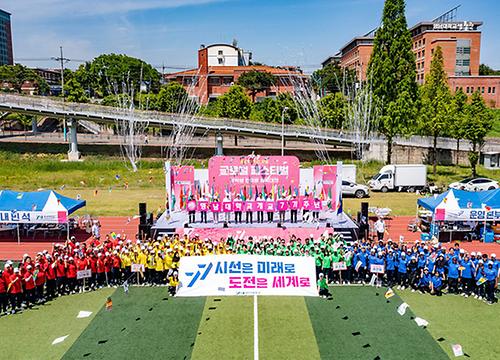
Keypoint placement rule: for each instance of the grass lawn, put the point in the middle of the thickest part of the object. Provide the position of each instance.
(102, 181)
(29, 335)
(358, 323)
(468, 322)
(145, 324)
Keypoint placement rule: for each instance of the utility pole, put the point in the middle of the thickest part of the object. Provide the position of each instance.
(62, 60)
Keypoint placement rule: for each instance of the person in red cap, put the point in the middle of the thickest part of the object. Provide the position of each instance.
(81, 264)
(71, 275)
(15, 289)
(40, 278)
(61, 276)
(3, 294)
(29, 286)
(50, 273)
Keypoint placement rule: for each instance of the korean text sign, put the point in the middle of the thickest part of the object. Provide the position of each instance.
(231, 275)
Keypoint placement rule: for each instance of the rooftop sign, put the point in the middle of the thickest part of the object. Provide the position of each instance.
(454, 26)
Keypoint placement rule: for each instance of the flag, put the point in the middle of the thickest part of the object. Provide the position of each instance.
(486, 207)
(181, 204)
(389, 293)
(481, 281)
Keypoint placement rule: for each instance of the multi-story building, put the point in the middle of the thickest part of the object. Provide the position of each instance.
(6, 55)
(220, 66)
(461, 45)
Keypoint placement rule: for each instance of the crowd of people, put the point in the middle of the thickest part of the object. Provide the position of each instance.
(429, 268)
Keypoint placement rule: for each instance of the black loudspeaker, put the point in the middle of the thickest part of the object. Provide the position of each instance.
(142, 213)
(225, 224)
(278, 225)
(186, 225)
(328, 225)
(364, 209)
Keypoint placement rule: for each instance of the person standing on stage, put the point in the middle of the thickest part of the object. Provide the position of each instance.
(215, 214)
(249, 216)
(192, 212)
(227, 214)
(270, 210)
(203, 211)
(237, 211)
(283, 212)
(260, 213)
(293, 211)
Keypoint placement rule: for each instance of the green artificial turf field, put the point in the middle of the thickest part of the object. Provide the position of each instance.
(358, 323)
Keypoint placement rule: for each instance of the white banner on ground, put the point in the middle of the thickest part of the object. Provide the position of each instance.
(219, 275)
(83, 274)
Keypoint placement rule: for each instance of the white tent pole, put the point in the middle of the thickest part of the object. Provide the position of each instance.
(18, 236)
(67, 233)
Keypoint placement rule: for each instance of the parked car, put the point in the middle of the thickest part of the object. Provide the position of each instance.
(353, 189)
(475, 184)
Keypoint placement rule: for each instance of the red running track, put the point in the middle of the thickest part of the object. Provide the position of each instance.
(10, 249)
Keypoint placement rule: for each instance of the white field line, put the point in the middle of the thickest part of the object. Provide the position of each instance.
(255, 329)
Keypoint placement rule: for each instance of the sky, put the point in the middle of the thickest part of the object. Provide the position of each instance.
(169, 32)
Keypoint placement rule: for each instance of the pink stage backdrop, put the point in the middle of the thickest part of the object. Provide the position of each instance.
(182, 184)
(242, 173)
(325, 179)
(255, 233)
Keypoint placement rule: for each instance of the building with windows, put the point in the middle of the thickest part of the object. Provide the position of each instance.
(6, 55)
(220, 66)
(460, 42)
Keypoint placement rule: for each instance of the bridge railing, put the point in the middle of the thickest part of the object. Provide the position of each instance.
(91, 111)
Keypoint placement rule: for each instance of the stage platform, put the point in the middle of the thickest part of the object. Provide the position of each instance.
(178, 222)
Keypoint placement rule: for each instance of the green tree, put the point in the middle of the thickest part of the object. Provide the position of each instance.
(18, 74)
(332, 78)
(391, 71)
(172, 98)
(332, 110)
(271, 110)
(458, 118)
(115, 74)
(74, 91)
(234, 104)
(436, 104)
(146, 101)
(477, 123)
(486, 70)
(256, 81)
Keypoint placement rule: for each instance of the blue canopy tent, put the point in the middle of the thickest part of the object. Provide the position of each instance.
(38, 207)
(464, 206)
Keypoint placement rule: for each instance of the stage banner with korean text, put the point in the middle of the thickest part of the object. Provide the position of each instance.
(250, 175)
(231, 275)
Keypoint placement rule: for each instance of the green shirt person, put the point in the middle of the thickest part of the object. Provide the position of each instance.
(323, 286)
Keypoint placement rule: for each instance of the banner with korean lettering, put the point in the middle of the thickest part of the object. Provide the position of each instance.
(251, 175)
(33, 217)
(230, 275)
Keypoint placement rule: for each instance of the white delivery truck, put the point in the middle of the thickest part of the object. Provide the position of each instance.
(400, 178)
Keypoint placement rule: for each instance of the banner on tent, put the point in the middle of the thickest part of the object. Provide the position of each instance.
(231, 275)
(33, 217)
(467, 214)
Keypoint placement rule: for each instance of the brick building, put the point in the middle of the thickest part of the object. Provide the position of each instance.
(6, 54)
(461, 45)
(220, 66)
